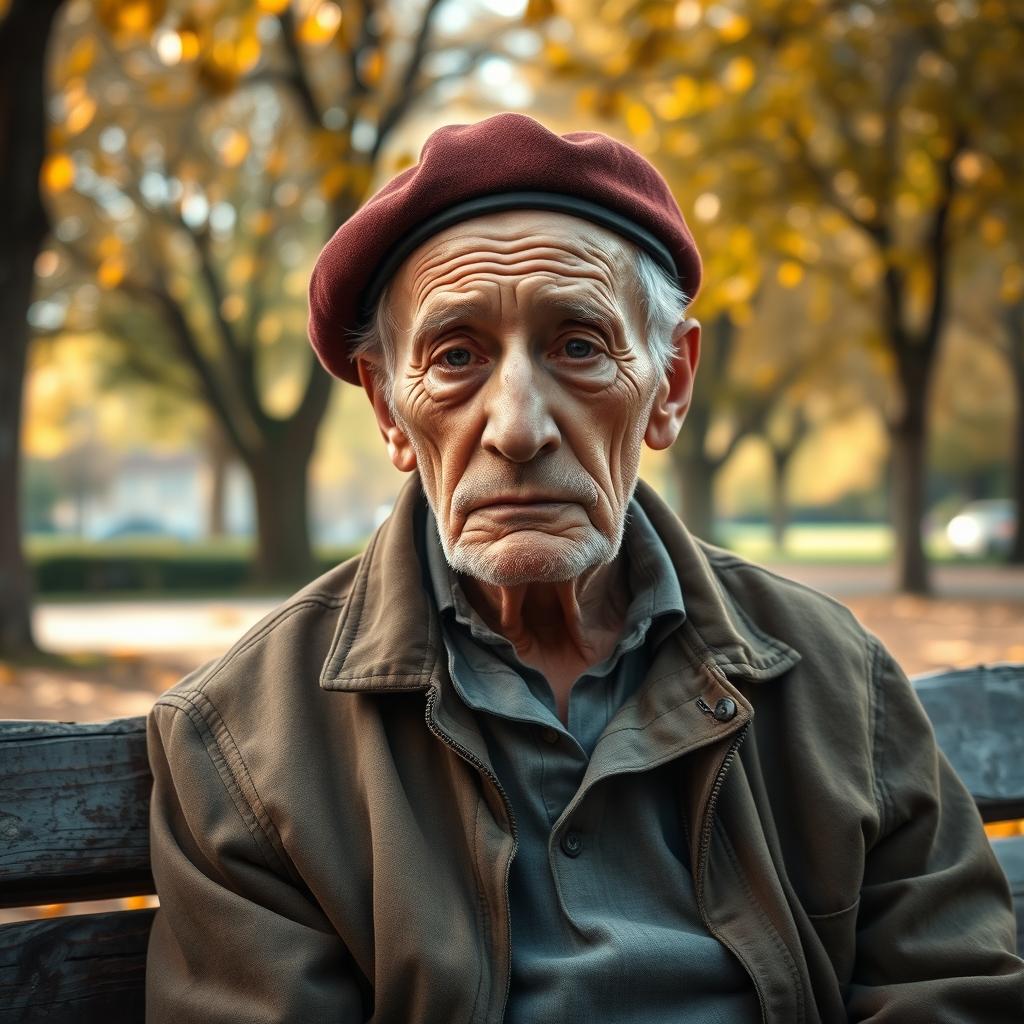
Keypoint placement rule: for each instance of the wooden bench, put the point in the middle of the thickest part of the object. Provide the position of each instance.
(73, 826)
(978, 717)
(74, 810)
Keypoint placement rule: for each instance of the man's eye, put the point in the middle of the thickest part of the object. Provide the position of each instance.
(579, 348)
(457, 357)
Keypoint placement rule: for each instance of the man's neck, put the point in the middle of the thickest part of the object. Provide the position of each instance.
(561, 629)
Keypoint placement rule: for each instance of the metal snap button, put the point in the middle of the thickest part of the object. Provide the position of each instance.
(572, 845)
(725, 709)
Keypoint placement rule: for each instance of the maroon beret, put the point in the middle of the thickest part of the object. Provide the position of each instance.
(507, 162)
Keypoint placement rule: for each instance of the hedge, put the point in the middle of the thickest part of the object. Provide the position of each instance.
(104, 569)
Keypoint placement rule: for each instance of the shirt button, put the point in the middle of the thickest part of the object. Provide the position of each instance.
(725, 709)
(549, 735)
(572, 845)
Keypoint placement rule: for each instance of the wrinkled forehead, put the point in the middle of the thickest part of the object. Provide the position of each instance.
(540, 245)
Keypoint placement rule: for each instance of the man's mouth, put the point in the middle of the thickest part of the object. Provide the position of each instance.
(532, 500)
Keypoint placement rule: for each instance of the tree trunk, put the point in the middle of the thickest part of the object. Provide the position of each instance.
(1016, 555)
(280, 477)
(24, 33)
(908, 440)
(284, 554)
(694, 471)
(218, 460)
(15, 583)
(1015, 337)
(780, 504)
(216, 526)
(696, 485)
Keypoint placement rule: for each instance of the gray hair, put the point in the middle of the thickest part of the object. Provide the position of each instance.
(660, 299)
(663, 304)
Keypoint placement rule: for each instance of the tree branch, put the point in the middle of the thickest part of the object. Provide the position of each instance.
(190, 349)
(473, 57)
(938, 244)
(874, 228)
(904, 56)
(756, 408)
(257, 292)
(306, 417)
(296, 76)
(155, 373)
(240, 357)
(367, 40)
(185, 341)
(405, 92)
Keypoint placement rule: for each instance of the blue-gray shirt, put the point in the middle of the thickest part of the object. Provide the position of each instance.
(605, 926)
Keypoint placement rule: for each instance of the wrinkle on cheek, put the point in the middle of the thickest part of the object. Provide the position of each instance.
(588, 448)
(621, 456)
(637, 389)
(415, 399)
(432, 466)
(444, 444)
(610, 456)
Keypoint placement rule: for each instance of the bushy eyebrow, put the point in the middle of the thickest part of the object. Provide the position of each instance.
(579, 307)
(442, 315)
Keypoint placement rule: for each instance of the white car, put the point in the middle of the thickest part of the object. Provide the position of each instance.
(983, 528)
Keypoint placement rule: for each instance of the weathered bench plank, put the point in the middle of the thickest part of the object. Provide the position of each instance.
(977, 715)
(74, 803)
(89, 969)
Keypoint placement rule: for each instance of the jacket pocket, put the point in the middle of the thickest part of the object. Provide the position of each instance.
(838, 934)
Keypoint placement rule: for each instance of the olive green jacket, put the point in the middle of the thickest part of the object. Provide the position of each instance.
(330, 842)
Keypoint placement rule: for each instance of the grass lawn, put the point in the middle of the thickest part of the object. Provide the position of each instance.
(826, 543)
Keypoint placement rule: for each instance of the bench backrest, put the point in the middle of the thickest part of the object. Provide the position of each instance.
(978, 718)
(74, 826)
(74, 809)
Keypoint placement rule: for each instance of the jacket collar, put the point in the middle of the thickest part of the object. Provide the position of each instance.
(388, 636)
(718, 627)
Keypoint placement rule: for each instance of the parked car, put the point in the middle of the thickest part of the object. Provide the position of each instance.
(983, 528)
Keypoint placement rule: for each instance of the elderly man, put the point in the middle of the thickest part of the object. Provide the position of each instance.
(538, 754)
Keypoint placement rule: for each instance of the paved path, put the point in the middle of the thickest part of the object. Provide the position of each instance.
(198, 628)
(994, 582)
(203, 628)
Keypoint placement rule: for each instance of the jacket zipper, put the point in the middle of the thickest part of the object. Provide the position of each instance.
(705, 846)
(471, 758)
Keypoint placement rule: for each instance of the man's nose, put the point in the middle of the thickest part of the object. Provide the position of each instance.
(519, 421)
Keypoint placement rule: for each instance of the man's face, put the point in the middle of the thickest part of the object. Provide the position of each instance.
(523, 391)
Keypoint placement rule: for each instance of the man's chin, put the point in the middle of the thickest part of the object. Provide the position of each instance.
(530, 556)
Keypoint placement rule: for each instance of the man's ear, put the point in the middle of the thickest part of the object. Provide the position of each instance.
(676, 388)
(400, 449)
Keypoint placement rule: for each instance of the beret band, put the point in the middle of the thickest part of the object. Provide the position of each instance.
(501, 202)
(506, 162)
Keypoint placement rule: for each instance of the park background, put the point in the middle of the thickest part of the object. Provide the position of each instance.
(172, 460)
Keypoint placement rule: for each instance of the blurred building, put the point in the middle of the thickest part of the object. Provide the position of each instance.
(153, 495)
